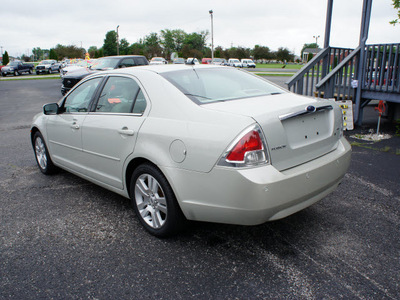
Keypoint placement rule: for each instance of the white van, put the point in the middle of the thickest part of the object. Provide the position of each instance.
(248, 63)
(234, 62)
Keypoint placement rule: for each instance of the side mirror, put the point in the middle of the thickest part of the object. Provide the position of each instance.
(50, 109)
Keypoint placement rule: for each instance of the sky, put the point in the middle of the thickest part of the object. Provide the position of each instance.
(26, 24)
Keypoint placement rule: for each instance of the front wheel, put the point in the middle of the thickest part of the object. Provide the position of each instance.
(42, 156)
(16, 73)
(49, 71)
(154, 202)
(30, 71)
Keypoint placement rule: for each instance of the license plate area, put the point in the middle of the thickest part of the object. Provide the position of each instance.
(309, 128)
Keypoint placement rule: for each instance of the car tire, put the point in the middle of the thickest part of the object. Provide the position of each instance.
(30, 71)
(154, 202)
(49, 71)
(37, 73)
(42, 156)
(16, 73)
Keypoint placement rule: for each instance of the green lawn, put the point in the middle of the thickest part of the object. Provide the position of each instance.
(279, 66)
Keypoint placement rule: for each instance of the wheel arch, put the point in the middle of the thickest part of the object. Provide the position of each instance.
(33, 132)
(132, 165)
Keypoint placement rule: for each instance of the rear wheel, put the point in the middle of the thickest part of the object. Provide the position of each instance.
(49, 71)
(42, 156)
(154, 202)
(16, 73)
(30, 71)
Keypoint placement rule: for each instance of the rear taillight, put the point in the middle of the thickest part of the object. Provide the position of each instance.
(249, 149)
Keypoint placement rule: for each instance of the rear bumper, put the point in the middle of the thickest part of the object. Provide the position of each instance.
(256, 195)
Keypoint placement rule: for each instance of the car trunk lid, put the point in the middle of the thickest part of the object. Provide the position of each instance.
(297, 129)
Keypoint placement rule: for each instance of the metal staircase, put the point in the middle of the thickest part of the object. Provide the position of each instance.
(369, 72)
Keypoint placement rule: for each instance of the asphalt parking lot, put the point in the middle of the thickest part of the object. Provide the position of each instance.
(62, 237)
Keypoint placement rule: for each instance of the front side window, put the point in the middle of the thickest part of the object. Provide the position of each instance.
(79, 99)
(118, 95)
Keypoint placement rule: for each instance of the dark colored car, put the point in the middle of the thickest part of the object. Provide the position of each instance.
(102, 64)
(16, 68)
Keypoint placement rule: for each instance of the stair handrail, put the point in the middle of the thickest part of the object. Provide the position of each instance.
(308, 66)
(343, 63)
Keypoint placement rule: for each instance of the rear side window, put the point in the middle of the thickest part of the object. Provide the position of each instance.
(120, 95)
(141, 61)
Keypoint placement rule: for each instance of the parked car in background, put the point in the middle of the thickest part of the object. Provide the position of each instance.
(248, 63)
(158, 61)
(206, 60)
(192, 61)
(234, 62)
(48, 66)
(239, 150)
(102, 64)
(219, 61)
(178, 60)
(16, 68)
(77, 66)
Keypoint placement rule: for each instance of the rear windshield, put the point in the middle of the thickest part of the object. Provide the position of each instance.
(220, 84)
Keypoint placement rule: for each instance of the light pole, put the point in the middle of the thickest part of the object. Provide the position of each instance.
(316, 39)
(117, 41)
(212, 36)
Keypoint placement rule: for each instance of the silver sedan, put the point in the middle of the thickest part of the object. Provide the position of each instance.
(205, 143)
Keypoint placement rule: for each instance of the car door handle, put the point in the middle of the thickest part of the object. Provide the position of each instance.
(75, 126)
(126, 131)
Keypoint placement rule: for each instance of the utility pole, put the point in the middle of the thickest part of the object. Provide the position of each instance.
(117, 41)
(212, 36)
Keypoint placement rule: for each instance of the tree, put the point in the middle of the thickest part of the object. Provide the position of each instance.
(172, 40)
(123, 47)
(110, 43)
(284, 55)
(92, 51)
(53, 54)
(6, 58)
(242, 52)
(37, 53)
(262, 52)
(70, 51)
(152, 45)
(168, 42)
(196, 41)
(396, 6)
(179, 37)
(138, 49)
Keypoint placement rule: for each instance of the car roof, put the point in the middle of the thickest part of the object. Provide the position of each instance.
(161, 68)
